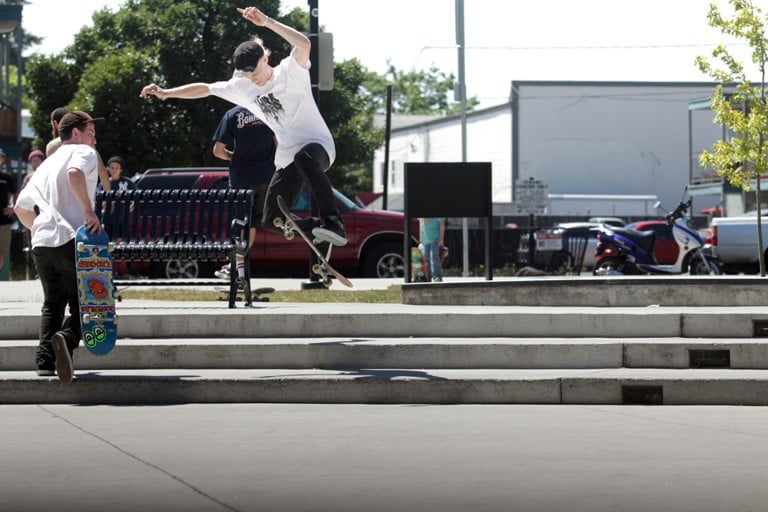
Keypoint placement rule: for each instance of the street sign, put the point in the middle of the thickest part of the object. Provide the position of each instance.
(532, 196)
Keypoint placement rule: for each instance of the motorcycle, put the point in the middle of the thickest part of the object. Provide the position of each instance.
(622, 251)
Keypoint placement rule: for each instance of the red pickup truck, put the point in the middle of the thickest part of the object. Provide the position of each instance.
(375, 247)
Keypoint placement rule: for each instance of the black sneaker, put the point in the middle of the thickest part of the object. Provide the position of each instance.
(307, 225)
(64, 367)
(332, 232)
(46, 371)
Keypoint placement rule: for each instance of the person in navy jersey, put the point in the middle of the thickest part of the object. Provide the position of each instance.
(249, 146)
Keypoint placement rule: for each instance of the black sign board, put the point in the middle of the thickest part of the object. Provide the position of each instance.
(449, 189)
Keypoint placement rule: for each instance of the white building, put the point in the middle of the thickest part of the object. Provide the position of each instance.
(586, 138)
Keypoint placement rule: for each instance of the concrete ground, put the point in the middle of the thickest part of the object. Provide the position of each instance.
(300, 457)
(382, 458)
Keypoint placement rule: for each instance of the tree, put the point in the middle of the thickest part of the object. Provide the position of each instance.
(172, 43)
(744, 157)
(416, 92)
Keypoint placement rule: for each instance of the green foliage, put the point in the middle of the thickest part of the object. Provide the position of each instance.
(416, 92)
(743, 157)
(174, 43)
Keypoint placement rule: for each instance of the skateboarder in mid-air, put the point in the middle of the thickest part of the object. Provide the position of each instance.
(281, 96)
(63, 190)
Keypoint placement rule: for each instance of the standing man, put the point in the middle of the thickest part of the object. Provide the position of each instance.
(431, 236)
(55, 142)
(280, 96)
(8, 194)
(63, 189)
(251, 164)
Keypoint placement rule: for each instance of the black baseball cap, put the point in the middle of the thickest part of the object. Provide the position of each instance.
(246, 57)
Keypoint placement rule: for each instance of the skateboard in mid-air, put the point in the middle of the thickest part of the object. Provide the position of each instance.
(95, 290)
(322, 268)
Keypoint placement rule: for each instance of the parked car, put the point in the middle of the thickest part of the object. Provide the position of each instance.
(557, 246)
(611, 221)
(375, 247)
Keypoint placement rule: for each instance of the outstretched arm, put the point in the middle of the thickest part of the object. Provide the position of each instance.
(300, 42)
(186, 92)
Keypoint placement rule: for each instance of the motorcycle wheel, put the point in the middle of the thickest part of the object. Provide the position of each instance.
(609, 263)
(699, 268)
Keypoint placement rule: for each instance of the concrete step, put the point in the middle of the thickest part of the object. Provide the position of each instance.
(409, 353)
(601, 291)
(297, 320)
(372, 386)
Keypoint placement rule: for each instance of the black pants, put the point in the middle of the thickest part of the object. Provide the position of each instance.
(56, 268)
(310, 163)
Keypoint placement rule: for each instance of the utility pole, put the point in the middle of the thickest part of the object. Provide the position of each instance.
(314, 79)
(461, 95)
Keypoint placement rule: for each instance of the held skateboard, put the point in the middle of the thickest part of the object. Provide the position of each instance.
(418, 266)
(323, 268)
(95, 291)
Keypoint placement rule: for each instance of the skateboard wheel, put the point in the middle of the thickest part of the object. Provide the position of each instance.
(327, 282)
(110, 246)
(317, 269)
(86, 318)
(277, 222)
(289, 235)
(80, 246)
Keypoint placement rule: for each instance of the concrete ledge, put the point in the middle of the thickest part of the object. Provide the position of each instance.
(408, 353)
(393, 320)
(676, 387)
(413, 353)
(631, 291)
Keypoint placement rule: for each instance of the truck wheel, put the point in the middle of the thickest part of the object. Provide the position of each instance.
(385, 260)
(178, 269)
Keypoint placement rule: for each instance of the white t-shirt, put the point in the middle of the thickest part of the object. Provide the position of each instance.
(49, 190)
(286, 105)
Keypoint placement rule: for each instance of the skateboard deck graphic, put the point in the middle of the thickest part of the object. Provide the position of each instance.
(322, 269)
(95, 291)
(418, 266)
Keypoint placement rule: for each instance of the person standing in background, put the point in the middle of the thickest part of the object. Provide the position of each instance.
(55, 142)
(8, 194)
(34, 159)
(251, 164)
(431, 236)
(116, 167)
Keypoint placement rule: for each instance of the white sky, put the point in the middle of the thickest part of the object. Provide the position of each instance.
(650, 40)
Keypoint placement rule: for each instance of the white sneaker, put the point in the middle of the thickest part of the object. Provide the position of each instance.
(223, 272)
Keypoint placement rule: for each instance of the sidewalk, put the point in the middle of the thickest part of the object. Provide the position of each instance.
(32, 291)
(344, 458)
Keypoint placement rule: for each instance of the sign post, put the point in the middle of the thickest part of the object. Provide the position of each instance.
(532, 196)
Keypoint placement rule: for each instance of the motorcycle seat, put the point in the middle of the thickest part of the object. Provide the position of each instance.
(644, 239)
